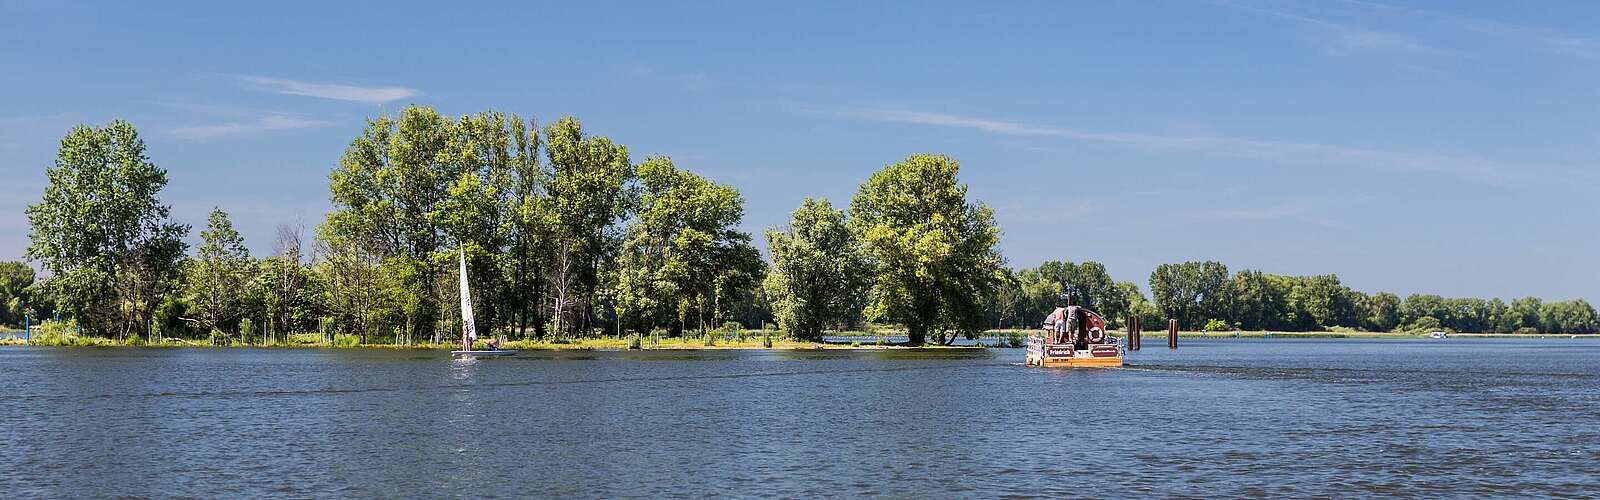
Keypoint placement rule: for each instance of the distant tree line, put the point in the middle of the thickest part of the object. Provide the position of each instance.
(565, 236)
(1202, 293)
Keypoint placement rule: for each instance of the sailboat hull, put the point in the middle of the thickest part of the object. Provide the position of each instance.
(502, 352)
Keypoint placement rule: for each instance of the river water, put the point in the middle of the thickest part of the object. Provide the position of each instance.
(1465, 418)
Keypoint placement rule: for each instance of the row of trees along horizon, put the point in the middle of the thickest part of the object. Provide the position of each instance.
(566, 237)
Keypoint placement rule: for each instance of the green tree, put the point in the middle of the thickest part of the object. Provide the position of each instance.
(219, 274)
(588, 195)
(684, 254)
(1570, 316)
(1147, 312)
(1191, 292)
(933, 251)
(819, 276)
(15, 278)
(1257, 303)
(1383, 312)
(103, 234)
(1525, 313)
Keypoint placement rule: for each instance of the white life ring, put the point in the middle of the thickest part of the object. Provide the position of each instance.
(1096, 335)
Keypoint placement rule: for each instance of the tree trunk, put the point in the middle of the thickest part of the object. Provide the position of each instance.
(916, 334)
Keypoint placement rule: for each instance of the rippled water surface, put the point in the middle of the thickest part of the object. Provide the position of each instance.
(1215, 418)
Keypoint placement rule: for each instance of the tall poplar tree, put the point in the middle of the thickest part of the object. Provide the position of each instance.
(103, 233)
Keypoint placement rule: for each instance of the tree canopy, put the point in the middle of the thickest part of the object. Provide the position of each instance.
(103, 233)
(933, 251)
(819, 276)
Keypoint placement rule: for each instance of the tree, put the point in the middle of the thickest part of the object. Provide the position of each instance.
(15, 278)
(588, 195)
(1418, 306)
(819, 276)
(1525, 313)
(102, 232)
(218, 275)
(1571, 316)
(933, 251)
(1191, 292)
(1009, 298)
(1383, 312)
(284, 276)
(1257, 303)
(1149, 315)
(684, 254)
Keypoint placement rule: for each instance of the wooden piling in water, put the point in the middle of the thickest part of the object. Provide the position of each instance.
(1172, 334)
(1133, 332)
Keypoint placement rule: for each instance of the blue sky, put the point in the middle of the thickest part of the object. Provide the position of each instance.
(1440, 147)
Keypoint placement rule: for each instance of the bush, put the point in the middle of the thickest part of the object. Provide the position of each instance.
(1217, 325)
(1015, 340)
(303, 338)
(1527, 330)
(346, 340)
(246, 328)
(1426, 324)
(633, 342)
(711, 340)
(56, 330)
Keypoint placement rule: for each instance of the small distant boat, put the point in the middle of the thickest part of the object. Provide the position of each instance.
(1438, 335)
(1085, 343)
(469, 331)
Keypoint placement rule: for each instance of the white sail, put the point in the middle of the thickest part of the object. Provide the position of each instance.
(467, 328)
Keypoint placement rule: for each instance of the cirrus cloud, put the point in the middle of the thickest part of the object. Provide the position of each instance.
(334, 91)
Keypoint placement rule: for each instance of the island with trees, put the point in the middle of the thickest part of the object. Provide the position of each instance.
(570, 243)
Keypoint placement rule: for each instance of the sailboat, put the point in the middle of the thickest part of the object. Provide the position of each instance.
(469, 331)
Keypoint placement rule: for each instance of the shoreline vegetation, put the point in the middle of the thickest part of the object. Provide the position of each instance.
(751, 340)
(569, 241)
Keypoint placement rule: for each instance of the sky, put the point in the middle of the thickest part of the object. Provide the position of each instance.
(1412, 147)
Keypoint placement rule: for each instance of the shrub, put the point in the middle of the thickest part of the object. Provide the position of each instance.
(1426, 324)
(1015, 340)
(246, 328)
(711, 340)
(855, 343)
(1217, 325)
(766, 341)
(633, 342)
(346, 340)
(1527, 330)
(55, 330)
(303, 338)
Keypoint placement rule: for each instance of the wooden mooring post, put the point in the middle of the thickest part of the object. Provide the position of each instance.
(1133, 332)
(1172, 334)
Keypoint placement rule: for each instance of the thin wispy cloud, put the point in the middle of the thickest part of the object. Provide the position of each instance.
(338, 92)
(1288, 212)
(1343, 38)
(265, 123)
(1550, 39)
(1286, 152)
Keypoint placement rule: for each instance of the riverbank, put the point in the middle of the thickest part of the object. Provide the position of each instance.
(836, 340)
(604, 343)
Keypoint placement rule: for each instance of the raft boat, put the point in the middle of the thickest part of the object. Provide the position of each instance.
(1082, 342)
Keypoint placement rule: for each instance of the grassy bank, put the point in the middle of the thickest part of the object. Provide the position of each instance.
(311, 341)
(857, 340)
